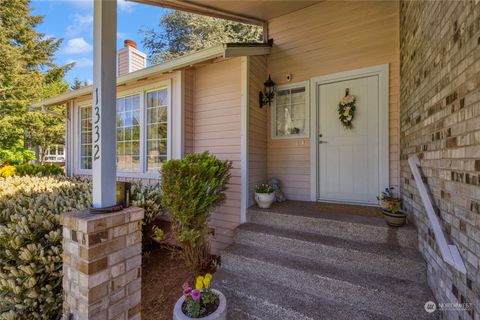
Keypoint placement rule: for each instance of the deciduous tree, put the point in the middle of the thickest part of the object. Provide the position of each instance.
(182, 33)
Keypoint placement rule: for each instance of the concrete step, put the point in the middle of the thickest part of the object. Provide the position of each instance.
(382, 258)
(256, 299)
(374, 293)
(344, 225)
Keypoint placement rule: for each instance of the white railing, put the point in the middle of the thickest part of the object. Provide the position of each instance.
(449, 252)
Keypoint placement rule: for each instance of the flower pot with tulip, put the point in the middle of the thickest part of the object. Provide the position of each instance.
(264, 195)
(201, 302)
(391, 208)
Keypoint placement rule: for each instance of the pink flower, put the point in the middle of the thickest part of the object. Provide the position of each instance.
(185, 286)
(196, 294)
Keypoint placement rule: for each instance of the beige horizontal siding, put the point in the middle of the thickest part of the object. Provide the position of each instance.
(212, 119)
(327, 38)
(122, 61)
(257, 126)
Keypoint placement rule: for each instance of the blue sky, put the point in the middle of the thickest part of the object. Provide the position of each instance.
(72, 20)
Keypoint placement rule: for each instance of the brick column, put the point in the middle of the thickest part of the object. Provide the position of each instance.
(102, 261)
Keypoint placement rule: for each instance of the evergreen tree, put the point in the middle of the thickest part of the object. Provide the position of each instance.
(27, 71)
(77, 84)
(182, 33)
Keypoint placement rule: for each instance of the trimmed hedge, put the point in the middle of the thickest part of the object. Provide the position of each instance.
(31, 170)
(31, 239)
(31, 243)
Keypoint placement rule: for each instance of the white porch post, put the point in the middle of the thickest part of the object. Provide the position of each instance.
(104, 103)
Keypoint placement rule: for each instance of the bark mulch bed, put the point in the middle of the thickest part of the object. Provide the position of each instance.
(163, 274)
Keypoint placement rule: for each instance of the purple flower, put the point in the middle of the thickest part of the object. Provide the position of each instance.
(187, 292)
(196, 294)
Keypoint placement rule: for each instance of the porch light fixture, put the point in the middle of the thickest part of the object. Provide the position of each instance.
(268, 93)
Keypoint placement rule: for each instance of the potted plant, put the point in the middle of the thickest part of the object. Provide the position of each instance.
(264, 195)
(201, 302)
(391, 208)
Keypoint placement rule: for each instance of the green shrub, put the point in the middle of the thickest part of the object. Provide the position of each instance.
(149, 198)
(39, 170)
(7, 171)
(31, 243)
(191, 188)
(16, 155)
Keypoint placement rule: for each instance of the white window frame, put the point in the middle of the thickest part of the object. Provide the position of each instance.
(78, 138)
(306, 86)
(142, 92)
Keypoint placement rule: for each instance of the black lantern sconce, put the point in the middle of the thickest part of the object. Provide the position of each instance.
(268, 93)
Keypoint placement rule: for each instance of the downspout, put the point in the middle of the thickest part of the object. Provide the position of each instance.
(265, 31)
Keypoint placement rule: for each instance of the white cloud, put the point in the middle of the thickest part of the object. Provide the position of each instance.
(83, 4)
(80, 23)
(77, 45)
(122, 35)
(81, 63)
(89, 81)
(123, 5)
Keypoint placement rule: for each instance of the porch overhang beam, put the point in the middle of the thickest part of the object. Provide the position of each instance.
(203, 10)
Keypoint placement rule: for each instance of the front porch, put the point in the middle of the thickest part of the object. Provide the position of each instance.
(307, 260)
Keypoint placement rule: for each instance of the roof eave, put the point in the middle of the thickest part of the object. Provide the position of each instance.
(223, 50)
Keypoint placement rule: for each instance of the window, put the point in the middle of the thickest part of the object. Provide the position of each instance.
(142, 132)
(128, 134)
(289, 112)
(157, 110)
(85, 137)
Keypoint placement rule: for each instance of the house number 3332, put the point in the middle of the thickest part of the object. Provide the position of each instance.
(96, 129)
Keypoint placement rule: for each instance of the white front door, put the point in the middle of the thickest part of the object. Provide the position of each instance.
(348, 159)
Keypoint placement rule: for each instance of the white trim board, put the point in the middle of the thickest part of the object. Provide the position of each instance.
(382, 71)
(244, 167)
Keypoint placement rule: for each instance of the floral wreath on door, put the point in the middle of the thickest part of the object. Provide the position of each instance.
(346, 109)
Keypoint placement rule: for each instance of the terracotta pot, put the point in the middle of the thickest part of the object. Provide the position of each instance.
(394, 219)
(219, 314)
(265, 200)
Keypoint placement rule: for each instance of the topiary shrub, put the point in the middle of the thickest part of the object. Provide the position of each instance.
(191, 188)
(31, 243)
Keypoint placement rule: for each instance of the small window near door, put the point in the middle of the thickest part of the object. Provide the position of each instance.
(290, 111)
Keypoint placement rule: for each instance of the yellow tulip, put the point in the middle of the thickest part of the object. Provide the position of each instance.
(206, 282)
(199, 283)
(209, 276)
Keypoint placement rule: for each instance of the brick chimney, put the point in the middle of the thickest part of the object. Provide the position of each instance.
(130, 59)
